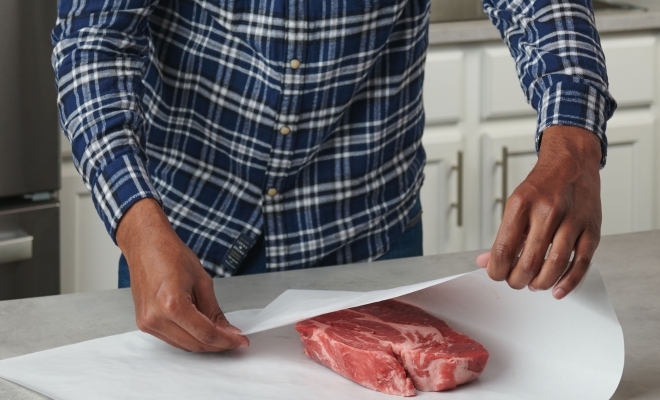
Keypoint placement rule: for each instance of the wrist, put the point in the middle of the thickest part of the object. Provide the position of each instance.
(571, 147)
(145, 221)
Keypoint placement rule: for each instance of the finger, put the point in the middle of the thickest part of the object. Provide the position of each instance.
(509, 237)
(165, 339)
(174, 333)
(147, 324)
(482, 260)
(219, 319)
(184, 313)
(521, 246)
(558, 259)
(208, 305)
(584, 252)
(533, 254)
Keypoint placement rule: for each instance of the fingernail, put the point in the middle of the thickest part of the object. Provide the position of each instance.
(243, 345)
(235, 330)
(532, 288)
(559, 293)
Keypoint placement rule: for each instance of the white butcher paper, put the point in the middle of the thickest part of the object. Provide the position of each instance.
(540, 348)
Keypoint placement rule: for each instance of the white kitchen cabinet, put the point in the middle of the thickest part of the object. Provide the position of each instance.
(631, 69)
(89, 258)
(441, 195)
(444, 86)
(627, 181)
(501, 94)
(510, 147)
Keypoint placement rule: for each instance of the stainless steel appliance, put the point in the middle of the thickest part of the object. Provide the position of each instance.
(29, 151)
(466, 10)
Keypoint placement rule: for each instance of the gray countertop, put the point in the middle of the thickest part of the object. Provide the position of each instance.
(606, 22)
(629, 264)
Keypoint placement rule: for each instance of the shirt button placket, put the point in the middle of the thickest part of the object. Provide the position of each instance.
(285, 127)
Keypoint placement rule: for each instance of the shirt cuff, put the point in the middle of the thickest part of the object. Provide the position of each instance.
(121, 184)
(576, 103)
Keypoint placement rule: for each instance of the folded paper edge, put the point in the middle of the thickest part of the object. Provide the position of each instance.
(363, 299)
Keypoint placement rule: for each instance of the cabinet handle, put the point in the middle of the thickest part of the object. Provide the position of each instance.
(16, 249)
(459, 195)
(505, 177)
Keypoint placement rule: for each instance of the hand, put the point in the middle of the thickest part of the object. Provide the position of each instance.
(558, 204)
(173, 295)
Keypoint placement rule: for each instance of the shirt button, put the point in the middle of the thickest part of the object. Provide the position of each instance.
(272, 192)
(285, 130)
(295, 63)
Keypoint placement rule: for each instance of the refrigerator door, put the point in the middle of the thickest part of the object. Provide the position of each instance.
(29, 250)
(29, 141)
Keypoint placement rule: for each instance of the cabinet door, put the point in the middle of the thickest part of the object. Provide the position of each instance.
(444, 86)
(440, 193)
(501, 94)
(626, 182)
(631, 69)
(517, 139)
(89, 258)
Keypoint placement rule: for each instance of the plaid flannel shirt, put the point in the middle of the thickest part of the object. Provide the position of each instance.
(298, 120)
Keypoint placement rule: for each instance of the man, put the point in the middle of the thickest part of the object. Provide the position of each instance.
(226, 137)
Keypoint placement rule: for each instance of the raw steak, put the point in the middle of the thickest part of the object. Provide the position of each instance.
(390, 346)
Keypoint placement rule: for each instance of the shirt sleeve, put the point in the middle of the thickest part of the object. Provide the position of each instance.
(100, 53)
(559, 61)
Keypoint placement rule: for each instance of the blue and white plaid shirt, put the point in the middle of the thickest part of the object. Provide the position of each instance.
(301, 120)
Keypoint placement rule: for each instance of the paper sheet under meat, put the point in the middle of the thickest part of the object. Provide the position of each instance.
(539, 348)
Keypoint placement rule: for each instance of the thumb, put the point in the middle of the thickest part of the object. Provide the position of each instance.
(219, 319)
(483, 259)
(208, 305)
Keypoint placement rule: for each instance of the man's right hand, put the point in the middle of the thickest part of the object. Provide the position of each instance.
(173, 295)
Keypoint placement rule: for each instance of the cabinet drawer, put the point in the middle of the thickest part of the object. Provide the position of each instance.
(29, 269)
(630, 66)
(443, 86)
(501, 94)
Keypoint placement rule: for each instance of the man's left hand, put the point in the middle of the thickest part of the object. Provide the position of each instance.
(558, 204)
